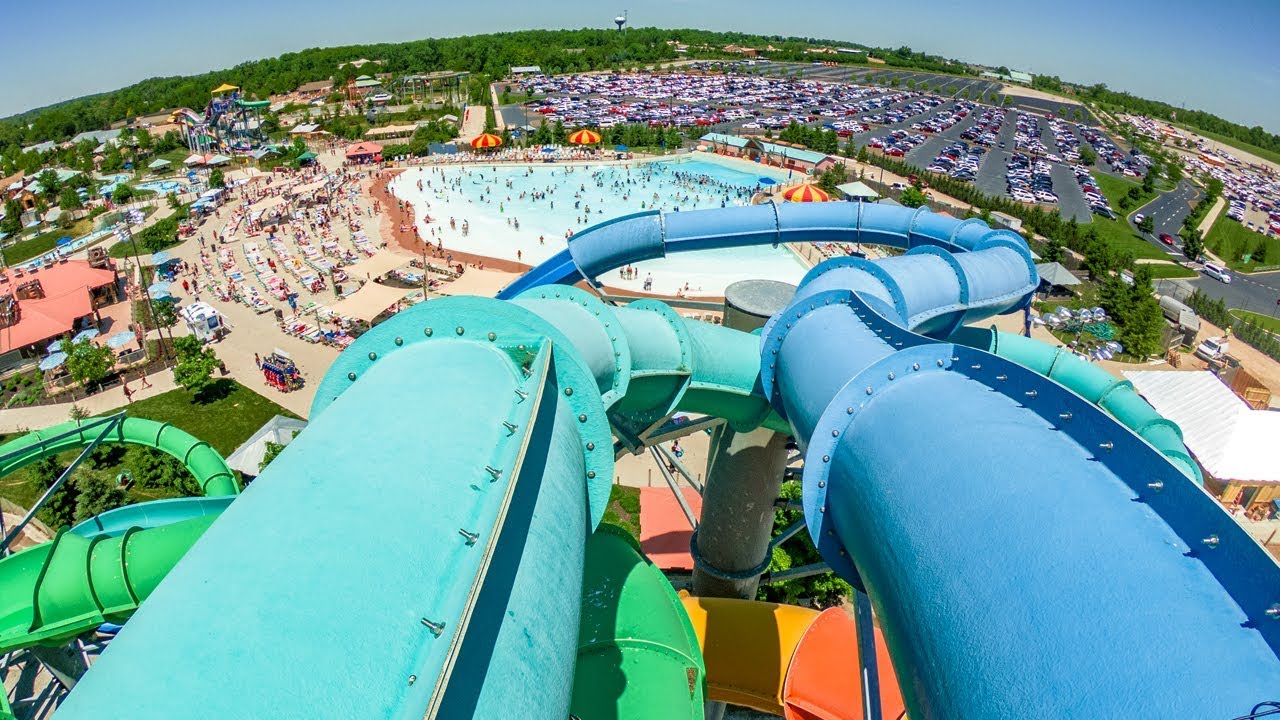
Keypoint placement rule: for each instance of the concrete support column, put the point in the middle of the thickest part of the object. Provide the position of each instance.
(744, 476)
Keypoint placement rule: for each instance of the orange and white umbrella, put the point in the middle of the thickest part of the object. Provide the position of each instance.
(806, 193)
(486, 141)
(585, 137)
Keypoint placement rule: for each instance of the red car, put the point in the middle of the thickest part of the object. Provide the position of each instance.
(1167, 239)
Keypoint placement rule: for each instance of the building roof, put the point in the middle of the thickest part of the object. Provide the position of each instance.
(363, 148)
(66, 288)
(12, 180)
(809, 156)
(733, 141)
(304, 128)
(368, 83)
(97, 136)
(857, 189)
(279, 430)
(526, 69)
(316, 86)
(1231, 440)
(43, 147)
(1056, 274)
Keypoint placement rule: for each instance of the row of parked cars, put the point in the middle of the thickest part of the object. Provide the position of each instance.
(1028, 180)
(897, 143)
(900, 114)
(1098, 204)
(1129, 165)
(959, 160)
(1066, 140)
(946, 119)
(986, 128)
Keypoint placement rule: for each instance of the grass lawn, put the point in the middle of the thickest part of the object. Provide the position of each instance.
(624, 509)
(43, 243)
(1162, 270)
(1232, 242)
(1118, 232)
(1268, 322)
(226, 421)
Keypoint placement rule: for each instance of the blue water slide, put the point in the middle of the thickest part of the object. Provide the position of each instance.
(1008, 531)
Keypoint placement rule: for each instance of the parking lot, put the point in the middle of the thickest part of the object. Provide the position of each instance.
(917, 124)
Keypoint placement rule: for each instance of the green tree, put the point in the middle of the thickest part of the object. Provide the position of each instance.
(216, 180)
(833, 176)
(823, 589)
(60, 509)
(1088, 155)
(1192, 244)
(11, 224)
(69, 200)
(1149, 180)
(1053, 250)
(912, 197)
(50, 185)
(122, 194)
(1099, 257)
(97, 494)
(1139, 319)
(89, 364)
(195, 365)
(1173, 171)
(1147, 224)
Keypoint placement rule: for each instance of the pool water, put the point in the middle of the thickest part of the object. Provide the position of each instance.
(551, 200)
(164, 187)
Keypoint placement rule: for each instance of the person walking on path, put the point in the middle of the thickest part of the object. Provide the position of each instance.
(128, 394)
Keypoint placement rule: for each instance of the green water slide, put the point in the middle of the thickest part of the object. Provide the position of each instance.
(53, 592)
(638, 654)
(1091, 382)
(203, 461)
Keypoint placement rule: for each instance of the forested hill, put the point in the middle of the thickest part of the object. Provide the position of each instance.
(556, 51)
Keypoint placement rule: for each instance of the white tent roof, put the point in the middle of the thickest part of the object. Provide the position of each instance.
(280, 430)
(1230, 439)
(368, 302)
(376, 265)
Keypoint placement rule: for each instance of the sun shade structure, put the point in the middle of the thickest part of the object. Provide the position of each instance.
(486, 141)
(585, 137)
(806, 193)
(224, 87)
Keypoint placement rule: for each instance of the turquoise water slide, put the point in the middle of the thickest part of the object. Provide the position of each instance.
(1027, 554)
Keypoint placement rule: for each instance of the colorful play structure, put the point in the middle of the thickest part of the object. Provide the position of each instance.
(229, 123)
(1031, 535)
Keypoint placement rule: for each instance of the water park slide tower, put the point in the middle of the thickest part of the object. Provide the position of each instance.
(1028, 553)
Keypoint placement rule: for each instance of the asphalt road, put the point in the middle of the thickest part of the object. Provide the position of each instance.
(1168, 210)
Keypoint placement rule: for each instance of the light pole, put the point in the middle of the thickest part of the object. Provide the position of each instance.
(123, 232)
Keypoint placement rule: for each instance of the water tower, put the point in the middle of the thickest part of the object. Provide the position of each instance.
(621, 20)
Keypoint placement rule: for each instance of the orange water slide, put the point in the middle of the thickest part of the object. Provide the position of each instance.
(785, 660)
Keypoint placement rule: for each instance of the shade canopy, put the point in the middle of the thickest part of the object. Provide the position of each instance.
(584, 137)
(158, 290)
(162, 257)
(806, 193)
(621, 148)
(279, 430)
(120, 339)
(306, 156)
(54, 346)
(53, 361)
(766, 181)
(225, 87)
(83, 335)
(64, 241)
(486, 141)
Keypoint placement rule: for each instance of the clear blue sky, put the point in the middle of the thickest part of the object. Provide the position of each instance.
(1222, 56)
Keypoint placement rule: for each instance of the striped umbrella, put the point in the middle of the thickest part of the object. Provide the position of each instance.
(806, 193)
(585, 137)
(486, 141)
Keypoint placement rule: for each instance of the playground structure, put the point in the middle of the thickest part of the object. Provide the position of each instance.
(229, 123)
(1031, 535)
(446, 87)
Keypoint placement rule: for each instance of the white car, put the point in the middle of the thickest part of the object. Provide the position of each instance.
(1137, 219)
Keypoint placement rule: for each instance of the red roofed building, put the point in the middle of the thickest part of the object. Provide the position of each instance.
(38, 306)
(363, 152)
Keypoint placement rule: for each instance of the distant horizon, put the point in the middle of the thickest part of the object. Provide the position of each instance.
(186, 43)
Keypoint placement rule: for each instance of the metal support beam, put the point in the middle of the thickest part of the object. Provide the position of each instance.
(796, 573)
(108, 424)
(673, 461)
(867, 656)
(787, 534)
(675, 489)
